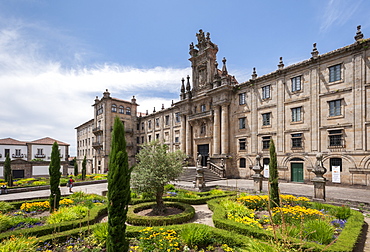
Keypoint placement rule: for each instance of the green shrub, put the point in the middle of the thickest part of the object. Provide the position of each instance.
(24, 244)
(38, 183)
(318, 231)
(341, 213)
(197, 236)
(216, 192)
(5, 207)
(169, 187)
(5, 222)
(67, 214)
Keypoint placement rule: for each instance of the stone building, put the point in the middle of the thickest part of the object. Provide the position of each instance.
(31, 159)
(94, 136)
(320, 105)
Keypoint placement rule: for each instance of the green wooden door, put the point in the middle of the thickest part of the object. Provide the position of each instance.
(297, 172)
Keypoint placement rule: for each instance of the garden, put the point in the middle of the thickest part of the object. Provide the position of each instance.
(243, 222)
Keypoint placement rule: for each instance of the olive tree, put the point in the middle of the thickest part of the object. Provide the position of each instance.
(156, 167)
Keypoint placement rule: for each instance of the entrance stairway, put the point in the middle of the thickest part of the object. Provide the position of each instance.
(190, 172)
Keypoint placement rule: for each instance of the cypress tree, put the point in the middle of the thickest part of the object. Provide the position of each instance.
(273, 178)
(119, 193)
(83, 168)
(75, 166)
(8, 171)
(54, 173)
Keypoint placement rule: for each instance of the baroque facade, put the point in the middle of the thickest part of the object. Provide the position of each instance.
(320, 105)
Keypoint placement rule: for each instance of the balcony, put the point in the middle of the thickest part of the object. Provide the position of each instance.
(97, 144)
(201, 115)
(39, 155)
(97, 130)
(18, 156)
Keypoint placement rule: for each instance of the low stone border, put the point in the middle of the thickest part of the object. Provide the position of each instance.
(134, 219)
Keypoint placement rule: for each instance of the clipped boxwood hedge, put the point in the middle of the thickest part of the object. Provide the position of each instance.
(134, 219)
(205, 196)
(91, 218)
(346, 241)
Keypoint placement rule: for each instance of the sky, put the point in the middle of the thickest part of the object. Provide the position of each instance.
(57, 56)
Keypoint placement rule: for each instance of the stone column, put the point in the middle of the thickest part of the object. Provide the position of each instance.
(189, 138)
(319, 182)
(216, 131)
(225, 129)
(183, 133)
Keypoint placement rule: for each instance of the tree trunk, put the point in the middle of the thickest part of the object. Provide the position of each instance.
(159, 208)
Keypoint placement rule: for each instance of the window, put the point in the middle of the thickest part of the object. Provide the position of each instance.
(99, 110)
(176, 139)
(121, 109)
(149, 138)
(137, 140)
(156, 136)
(296, 114)
(157, 122)
(266, 142)
(336, 138)
(242, 123)
(128, 111)
(142, 139)
(266, 92)
(137, 126)
(242, 144)
(335, 108)
(296, 84)
(166, 136)
(202, 108)
(335, 73)
(297, 140)
(142, 126)
(150, 124)
(242, 163)
(242, 99)
(266, 119)
(40, 151)
(114, 108)
(177, 117)
(335, 162)
(167, 120)
(203, 129)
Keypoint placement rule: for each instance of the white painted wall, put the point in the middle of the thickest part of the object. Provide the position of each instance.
(1, 171)
(47, 151)
(12, 149)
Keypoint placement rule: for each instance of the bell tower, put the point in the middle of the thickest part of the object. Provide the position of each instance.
(203, 61)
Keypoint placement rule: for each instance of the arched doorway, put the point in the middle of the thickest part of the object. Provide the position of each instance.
(296, 168)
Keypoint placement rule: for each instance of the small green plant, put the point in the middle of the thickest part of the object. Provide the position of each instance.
(169, 188)
(24, 244)
(342, 213)
(68, 214)
(5, 222)
(216, 192)
(319, 231)
(39, 183)
(5, 207)
(100, 233)
(197, 235)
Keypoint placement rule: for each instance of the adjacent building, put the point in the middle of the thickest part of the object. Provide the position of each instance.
(320, 105)
(31, 159)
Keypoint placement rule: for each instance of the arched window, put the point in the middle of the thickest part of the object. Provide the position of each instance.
(128, 111)
(121, 109)
(114, 108)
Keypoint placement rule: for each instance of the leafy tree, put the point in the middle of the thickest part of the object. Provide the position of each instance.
(273, 177)
(75, 166)
(54, 173)
(8, 171)
(84, 168)
(119, 194)
(155, 169)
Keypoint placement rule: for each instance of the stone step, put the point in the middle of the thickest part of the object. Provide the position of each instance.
(190, 173)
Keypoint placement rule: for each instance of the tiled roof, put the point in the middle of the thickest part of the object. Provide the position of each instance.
(48, 140)
(11, 141)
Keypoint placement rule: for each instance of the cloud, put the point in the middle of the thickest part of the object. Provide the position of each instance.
(42, 97)
(338, 12)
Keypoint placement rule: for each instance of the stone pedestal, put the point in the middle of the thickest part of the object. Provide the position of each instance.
(199, 178)
(319, 182)
(257, 177)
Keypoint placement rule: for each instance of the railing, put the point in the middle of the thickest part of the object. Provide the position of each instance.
(200, 115)
(18, 156)
(39, 155)
(97, 129)
(216, 169)
(96, 144)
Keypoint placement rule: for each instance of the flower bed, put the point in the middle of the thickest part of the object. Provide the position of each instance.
(302, 223)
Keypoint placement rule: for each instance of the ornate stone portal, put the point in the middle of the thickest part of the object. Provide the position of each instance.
(319, 182)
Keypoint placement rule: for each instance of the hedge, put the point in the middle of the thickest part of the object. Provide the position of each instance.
(134, 219)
